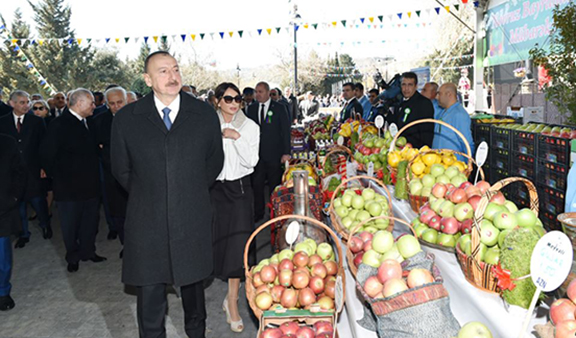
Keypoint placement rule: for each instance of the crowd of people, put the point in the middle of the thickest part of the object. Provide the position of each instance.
(181, 180)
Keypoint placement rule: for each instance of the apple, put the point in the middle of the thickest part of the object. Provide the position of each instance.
(426, 192)
(341, 211)
(439, 190)
(446, 209)
(347, 222)
(465, 184)
(394, 286)
(371, 258)
(502, 236)
(435, 205)
(526, 218)
(489, 233)
(362, 215)
(419, 229)
(458, 180)
(373, 286)
(458, 196)
(389, 269)
(408, 246)
(430, 236)
(491, 210)
(289, 328)
(375, 209)
(324, 251)
(436, 170)
(505, 220)
(382, 241)
(285, 254)
(365, 236)
(492, 255)
(449, 225)
(435, 223)
(419, 277)
(463, 240)
(272, 333)
(347, 200)
(463, 211)
(510, 206)
(561, 310)
(357, 202)
(474, 330)
(466, 226)
(446, 240)
(305, 332)
(483, 186)
(452, 171)
(416, 187)
(566, 329)
(443, 179)
(428, 180)
(498, 198)
(368, 194)
(474, 201)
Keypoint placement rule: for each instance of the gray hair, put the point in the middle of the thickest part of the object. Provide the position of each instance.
(18, 93)
(42, 102)
(131, 93)
(78, 95)
(115, 90)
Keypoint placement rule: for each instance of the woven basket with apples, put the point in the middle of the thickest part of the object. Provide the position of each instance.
(358, 203)
(298, 281)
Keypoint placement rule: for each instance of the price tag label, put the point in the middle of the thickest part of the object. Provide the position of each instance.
(371, 169)
(340, 140)
(359, 129)
(339, 294)
(551, 261)
(393, 129)
(482, 154)
(379, 121)
(350, 170)
(292, 232)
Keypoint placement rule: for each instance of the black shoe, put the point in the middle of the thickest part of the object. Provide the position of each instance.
(73, 267)
(112, 235)
(6, 303)
(95, 259)
(47, 232)
(21, 242)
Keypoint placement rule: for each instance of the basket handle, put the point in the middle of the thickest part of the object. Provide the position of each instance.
(483, 203)
(344, 182)
(361, 224)
(285, 217)
(469, 151)
(334, 150)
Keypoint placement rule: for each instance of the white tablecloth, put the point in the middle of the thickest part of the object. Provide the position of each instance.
(466, 301)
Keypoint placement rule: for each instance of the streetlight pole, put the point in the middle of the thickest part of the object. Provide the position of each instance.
(238, 74)
(295, 23)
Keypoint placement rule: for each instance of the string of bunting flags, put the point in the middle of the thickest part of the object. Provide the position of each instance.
(29, 65)
(373, 22)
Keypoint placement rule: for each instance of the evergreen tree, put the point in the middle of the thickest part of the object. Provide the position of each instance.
(14, 73)
(137, 83)
(164, 45)
(64, 63)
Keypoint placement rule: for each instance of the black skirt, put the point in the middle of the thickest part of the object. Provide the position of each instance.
(233, 224)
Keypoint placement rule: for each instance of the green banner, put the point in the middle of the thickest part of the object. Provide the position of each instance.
(516, 26)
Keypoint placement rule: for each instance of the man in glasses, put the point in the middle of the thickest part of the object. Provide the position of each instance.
(28, 130)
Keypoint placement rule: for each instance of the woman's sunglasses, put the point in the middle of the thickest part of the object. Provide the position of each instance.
(38, 108)
(228, 98)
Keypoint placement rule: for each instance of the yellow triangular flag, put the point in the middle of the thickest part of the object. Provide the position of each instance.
(41, 42)
(231, 33)
(117, 40)
(371, 19)
(409, 14)
(269, 30)
(79, 41)
(155, 38)
(306, 26)
(14, 41)
(193, 36)
(447, 8)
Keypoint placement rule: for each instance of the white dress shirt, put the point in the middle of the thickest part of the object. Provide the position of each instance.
(76, 115)
(241, 155)
(174, 107)
(266, 107)
(16, 119)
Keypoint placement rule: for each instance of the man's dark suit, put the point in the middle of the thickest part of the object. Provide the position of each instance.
(4, 109)
(29, 140)
(69, 155)
(293, 109)
(274, 142)
(55, 112)
(12, 187)
(416, 108)
(116, 196)
(352, 108)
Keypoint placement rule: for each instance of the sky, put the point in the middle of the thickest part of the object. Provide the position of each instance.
(127, 18)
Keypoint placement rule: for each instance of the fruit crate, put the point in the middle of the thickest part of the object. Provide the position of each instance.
(524, 142)
(520, 197)
(552, 202)
(554, 149)
(497, 174)
(500, 138)
(552, 175)
(481, 132)
(524, 166)
(500, 159)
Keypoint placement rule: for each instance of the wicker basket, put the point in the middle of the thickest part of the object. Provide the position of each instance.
(336, 150)
(479, 273)
(251, 291)
(340, 229)
(295, 162)
(393, 220)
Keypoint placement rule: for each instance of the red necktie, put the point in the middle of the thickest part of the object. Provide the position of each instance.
(19, 125)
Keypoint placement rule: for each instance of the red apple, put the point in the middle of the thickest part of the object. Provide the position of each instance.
(331, 268)
(561, 310)
(319, 270)
(289, 328)
(483, 186)
(372, 286)
(458, 196)
(394, 286)
(286, 264)
(466, 226)
(306, 297)
(389, 269)
(305, 332)
(435, 223)
(365, 236)
(300, 259)
(465, 185)
(439, 190)
(572, 290)
(358, 258)
(316, 284)
(474, 200)
(322, 327)
(449, 225)
(314, 259)
(566, 329)
(498, 198)
(473, 191)
(272, 333)
(276, 293)
(289, 298)
(355, 244)
(418, 277)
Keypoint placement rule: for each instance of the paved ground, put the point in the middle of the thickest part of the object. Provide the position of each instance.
(50, 302)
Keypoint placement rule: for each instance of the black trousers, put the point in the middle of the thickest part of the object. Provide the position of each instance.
(152, 306)
(79, 223)
(265, 171)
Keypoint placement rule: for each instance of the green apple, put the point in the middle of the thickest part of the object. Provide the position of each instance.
(368, 194)
(426, 192)
(341, 211)
(492, 255)
(526, 218)
(428, 180)
(446, 240)
(357, 202)
(430, 236)
(489, 233)
(443, 179)
(382, 241)
(502, 236)
(436, 170)
(510, 206)
(371, 258)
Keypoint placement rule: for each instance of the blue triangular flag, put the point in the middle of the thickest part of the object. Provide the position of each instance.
(259, 31)
(183, 37)
(437, 9)
(399, 15)
(362, 20)
(146, 39)
(221, 35)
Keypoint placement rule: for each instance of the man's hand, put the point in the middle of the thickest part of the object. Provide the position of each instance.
(43, 173)
(230, 133)
(285, 158)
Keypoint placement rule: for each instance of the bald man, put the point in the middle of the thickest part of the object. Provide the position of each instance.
(455, 115)
(430, 91)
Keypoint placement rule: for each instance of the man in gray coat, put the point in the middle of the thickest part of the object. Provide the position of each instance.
(166, 151)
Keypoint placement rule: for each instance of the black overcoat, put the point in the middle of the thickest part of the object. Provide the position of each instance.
(418, 107)
(274, 131)
(168, 229)
(28, 141)
(12, 186)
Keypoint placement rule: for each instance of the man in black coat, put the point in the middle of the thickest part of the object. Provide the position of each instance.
(29, 131)
(272, 117)
(293, 107)
(12, 187)
(352, 107)
(70, 156)
(248, 98)
(59, 104)
(166, 151)
(115, 196)
(414, 107)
